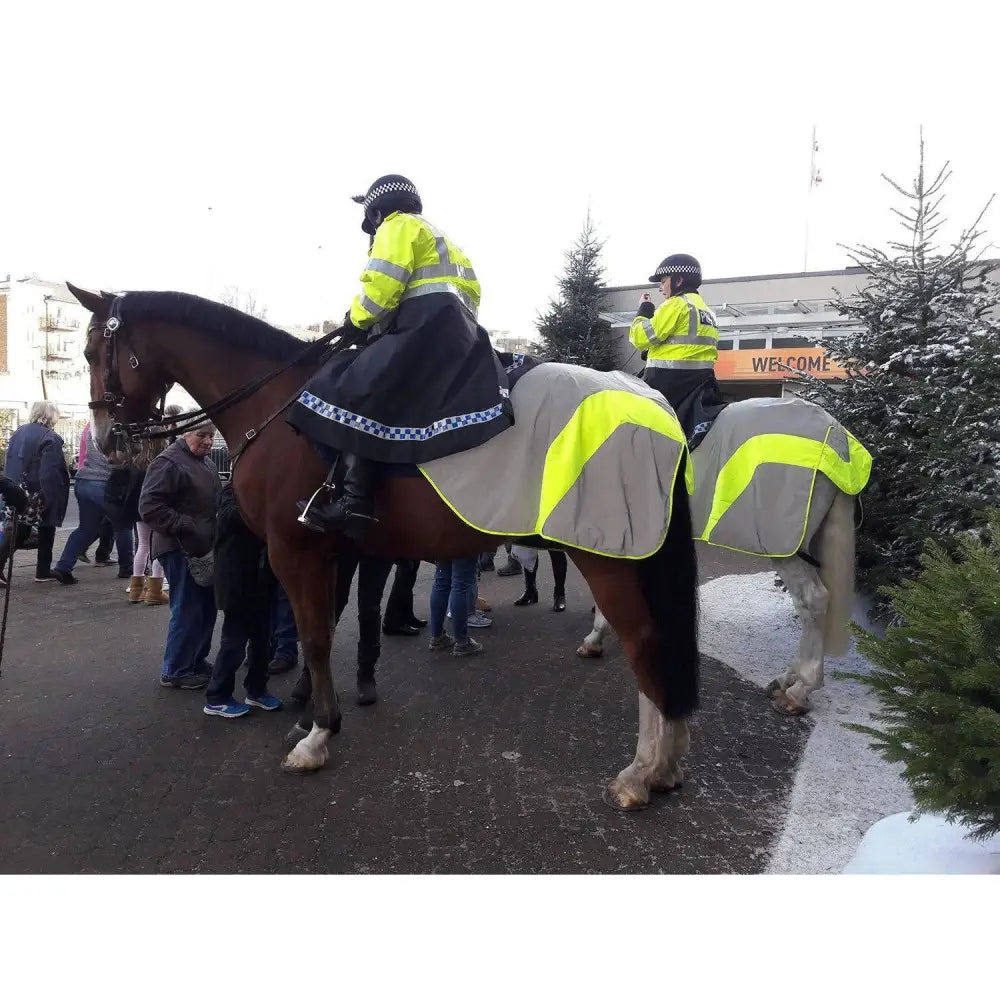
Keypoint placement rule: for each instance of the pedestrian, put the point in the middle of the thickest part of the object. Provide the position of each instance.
(478, 616)
(399, 616)
(142, 588)
(284, 634)
(92, 494)
(106, 537)
(513, 566)
(529, 561)
(36, 462)
(453, 591)
(178, 501)
(244, 593)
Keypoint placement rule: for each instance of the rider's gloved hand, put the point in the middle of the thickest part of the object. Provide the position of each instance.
(646, 307)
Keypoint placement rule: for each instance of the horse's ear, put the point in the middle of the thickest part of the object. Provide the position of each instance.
(94, 301)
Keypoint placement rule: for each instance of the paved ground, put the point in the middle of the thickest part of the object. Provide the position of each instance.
(494, 765)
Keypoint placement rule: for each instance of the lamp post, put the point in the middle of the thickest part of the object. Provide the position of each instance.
(45, 358)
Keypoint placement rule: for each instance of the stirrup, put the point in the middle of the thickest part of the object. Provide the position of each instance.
(303, 518)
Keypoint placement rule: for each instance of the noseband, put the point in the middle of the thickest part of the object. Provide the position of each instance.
(114, 344)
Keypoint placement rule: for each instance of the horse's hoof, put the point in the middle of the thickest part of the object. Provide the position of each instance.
(301, 761)
(586, 652)
(784, 705)
(622, 799)
(773, 688)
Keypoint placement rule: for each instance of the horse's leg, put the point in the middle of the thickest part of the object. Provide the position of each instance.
(309, 584)
(790, 694)
(593, 644)
(662, 742)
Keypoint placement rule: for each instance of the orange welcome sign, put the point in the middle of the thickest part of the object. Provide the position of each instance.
(776, 364)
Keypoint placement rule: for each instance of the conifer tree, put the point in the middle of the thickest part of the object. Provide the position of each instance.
(924, 391)
(572, 330)
(938, 679)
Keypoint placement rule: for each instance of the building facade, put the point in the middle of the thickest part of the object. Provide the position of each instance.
(42, 334)
(769, 326)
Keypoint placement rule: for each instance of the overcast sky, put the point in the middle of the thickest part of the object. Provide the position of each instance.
(195, 146)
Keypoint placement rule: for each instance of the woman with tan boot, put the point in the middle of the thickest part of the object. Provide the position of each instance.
(145, 589)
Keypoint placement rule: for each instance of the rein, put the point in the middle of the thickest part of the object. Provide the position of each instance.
(150, 429)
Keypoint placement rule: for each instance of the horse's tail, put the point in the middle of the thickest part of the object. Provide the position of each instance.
(835, 552)
(669, 581)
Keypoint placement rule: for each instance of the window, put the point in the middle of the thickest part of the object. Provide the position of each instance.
(783, 342)
(752, 343)
(725, 345)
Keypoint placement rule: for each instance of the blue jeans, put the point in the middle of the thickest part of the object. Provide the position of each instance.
(454, 590)
(93, 510)
(192, 618)
(284, 635)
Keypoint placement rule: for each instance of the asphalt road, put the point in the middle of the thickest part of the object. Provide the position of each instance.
(489, 765)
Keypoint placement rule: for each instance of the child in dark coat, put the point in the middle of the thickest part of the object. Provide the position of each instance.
(244, 591)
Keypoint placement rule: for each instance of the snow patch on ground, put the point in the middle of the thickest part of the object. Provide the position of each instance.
(928, 846)
(842, 787)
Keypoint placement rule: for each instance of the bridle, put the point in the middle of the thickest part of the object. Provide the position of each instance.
(115, 343)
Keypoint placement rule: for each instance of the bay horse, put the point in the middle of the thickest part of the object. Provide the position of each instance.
(244, 373)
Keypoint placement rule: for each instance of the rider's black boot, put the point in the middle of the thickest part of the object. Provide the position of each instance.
(352, 513)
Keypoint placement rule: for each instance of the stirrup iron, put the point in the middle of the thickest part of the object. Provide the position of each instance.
(324, 487)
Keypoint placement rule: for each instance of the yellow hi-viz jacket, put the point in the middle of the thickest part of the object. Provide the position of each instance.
(409, 258)
(683, 333)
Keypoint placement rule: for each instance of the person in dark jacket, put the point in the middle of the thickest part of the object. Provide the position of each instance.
(178, 501)
(36, 462)
(244, 593)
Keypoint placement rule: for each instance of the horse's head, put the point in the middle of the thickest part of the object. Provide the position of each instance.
(121, 389)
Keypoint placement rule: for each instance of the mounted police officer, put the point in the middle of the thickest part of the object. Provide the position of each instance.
(682, 341)
(428, 383)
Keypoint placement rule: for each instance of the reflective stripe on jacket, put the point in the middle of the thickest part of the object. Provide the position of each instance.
(683, 333)
(409, 258)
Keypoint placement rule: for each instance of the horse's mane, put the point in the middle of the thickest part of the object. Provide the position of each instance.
(228, 325)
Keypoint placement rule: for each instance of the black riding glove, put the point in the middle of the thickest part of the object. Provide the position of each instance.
(646, 310)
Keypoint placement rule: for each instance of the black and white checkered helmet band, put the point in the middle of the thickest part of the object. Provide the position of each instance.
(666, 269)
(391, 187)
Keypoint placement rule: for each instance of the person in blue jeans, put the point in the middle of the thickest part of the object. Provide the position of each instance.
(284, 634)
(178, 501)
(454, 590)
(90, 488)
(192, 622)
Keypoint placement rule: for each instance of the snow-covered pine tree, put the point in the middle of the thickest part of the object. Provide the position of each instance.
(572, 330)
(924, 396)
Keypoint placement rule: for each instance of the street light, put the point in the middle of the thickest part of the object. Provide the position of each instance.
(45, 359)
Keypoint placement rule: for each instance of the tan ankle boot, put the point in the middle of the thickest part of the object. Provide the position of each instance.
(135, 589)
(153, 593)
